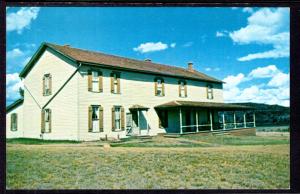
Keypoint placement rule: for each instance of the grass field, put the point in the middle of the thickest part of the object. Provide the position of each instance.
(207, 163)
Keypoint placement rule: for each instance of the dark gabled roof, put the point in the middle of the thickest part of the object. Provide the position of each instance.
(101, 59)
(212, 105)
(14, 105)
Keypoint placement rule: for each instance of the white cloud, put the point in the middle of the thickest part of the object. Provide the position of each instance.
(220, 34)
(173, 45)
(14, 53)
(187, 44)
(13, 84)
(248, 10)
(207, 69)
(21, 19)
(150, 47)
(266, 26)
(212, 69)
(233, 81)
(264, 72)
(276, 91)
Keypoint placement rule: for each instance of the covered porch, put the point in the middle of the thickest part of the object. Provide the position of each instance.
(185, 117)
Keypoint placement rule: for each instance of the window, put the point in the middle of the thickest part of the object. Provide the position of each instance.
(47, 85)
(210, 91)
(46, 120)
(163, 118)
(95, 81)
(13, 122)
(159, 87)
(182, 89)
(118, 118)
(115, 83)
(95, 118)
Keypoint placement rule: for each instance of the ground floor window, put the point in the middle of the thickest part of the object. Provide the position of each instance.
(118, 118)
(14, 122)
(46, 120)
(95, 118)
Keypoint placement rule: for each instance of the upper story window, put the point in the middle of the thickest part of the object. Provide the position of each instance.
(159, 87)
(47, 85)
(46, 120)
(182, 88)
(115, 83)
(95, 81)
(14, 122)
(210, 91)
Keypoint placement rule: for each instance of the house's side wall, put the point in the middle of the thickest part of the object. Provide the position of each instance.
(19, 133)
(63, 106)
(136, 88)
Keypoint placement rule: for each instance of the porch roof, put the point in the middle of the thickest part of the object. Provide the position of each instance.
(198, 104)
(138, 107)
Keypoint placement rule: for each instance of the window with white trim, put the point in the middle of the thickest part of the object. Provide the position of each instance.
(182, 89)
(159, 87)
(210, 91)
(95, 81)
(117, 118)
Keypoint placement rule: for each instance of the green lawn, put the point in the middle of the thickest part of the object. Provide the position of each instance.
(31, 141)
(211, 164)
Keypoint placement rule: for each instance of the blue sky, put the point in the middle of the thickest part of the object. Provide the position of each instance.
(246, 47)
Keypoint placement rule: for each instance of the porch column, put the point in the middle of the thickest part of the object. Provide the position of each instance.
(224, 127)
(197, 128)
(234, 119)
(254, 125)
(245, 120)
(211, 123)
(180, 120)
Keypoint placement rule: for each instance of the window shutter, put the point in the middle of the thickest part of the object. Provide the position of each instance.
(43, 121)
(50, 84)
(113, 118)
(100, 81)
(50, 118)
(122, 119)
(11, 121)
(119, 86)
(163, 87)
(89, 80)
(112, 83)
(101, 118)
(155, 87)
(185, 89)
(90, 119)
(43, 86)
(16, 121)
(179, 88)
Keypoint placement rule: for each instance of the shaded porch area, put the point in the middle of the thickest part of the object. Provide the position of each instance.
(183, 117)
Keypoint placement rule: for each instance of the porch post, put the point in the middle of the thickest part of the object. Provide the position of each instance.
(180, 120)
(223, 121)
(147, 121)
(254, 125)
(197, 129)
(234, 119)
(211, 123)
(245, 120)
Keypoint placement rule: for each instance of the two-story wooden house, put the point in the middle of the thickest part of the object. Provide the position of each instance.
(76, 94)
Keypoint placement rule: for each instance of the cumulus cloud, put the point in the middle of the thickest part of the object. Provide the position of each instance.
(173, 45)
(267, 26)
(18, 21)
(13, 84)
(276, 91)
(14, 53)
(150, 47)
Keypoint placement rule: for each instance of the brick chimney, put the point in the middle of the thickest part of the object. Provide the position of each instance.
(148, 60)
(190, 66)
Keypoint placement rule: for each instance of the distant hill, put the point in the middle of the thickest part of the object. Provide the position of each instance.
(267, 115)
